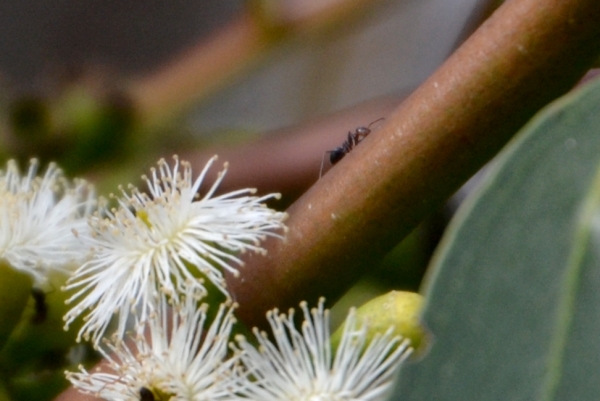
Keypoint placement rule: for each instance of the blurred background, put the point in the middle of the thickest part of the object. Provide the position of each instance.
(106, 87)
(386, 47)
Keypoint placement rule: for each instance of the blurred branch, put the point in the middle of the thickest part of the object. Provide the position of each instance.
(527, 54)
(235, 48)
(288, 161)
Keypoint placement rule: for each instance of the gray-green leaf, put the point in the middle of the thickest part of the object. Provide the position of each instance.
(513, 300)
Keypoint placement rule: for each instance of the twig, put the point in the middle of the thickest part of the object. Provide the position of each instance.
(236, 47)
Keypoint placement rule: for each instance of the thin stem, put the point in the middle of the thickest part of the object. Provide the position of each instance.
(527, 54)
(199, 71)
(236, 47)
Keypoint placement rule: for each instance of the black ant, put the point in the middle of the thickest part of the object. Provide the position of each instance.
(41, 307)
(146, 394)
(354, 138)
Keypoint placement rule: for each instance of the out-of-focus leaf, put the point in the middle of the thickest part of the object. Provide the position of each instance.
(14, 291)
(513, 300)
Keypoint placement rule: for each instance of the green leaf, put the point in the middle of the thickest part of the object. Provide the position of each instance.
(513, 299)
(15, 287)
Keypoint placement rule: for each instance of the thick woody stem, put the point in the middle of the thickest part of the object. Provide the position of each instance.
(528, 53)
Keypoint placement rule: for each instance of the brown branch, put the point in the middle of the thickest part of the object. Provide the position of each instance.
(288, 161)
(198, 71)
(528, 53)
(236, 47)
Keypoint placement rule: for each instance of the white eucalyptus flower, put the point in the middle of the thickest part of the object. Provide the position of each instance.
(163, 241)
(299, 366)
(41, 218)
(170, 358)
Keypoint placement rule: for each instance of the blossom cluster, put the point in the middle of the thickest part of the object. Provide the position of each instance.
(158, 244)
(41, 218)
(192, 362)
(140, 283)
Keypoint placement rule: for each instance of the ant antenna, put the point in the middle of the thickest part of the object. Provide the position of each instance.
(379, 119)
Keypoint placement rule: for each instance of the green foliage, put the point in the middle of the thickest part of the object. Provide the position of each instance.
(14, 291)
(39, 350)
(513, 297)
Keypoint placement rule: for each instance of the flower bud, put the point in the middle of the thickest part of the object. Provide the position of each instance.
(397, 309)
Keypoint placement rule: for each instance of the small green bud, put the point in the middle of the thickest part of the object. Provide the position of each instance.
(398, 309)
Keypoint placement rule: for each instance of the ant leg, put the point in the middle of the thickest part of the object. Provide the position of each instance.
(350, 142)
(322, 164)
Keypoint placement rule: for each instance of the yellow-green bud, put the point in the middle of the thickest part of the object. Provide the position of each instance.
(397, 309)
